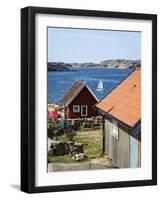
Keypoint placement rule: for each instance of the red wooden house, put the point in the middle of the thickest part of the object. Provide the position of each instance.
(79, 101)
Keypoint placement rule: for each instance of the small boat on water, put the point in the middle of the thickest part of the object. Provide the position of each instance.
(100, 86)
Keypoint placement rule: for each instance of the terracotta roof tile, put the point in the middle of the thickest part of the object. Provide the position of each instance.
(124, 101)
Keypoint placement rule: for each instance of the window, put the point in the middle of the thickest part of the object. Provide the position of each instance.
(115, 129)
(76, 108)
(84, 110)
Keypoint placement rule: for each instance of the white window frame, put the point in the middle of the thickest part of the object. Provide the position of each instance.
(76, 107)
(115, 129)
(82, 110)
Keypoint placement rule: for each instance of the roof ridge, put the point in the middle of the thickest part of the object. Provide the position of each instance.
(72, 85)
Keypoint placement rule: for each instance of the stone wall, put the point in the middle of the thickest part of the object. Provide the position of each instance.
(84, 124)
(57, 148)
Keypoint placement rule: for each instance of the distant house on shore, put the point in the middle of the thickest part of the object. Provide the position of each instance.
(121, 112)
(79, 101)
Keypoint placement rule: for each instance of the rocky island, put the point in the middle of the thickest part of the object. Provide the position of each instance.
(90, 64)
(58, 66)
(120, 63)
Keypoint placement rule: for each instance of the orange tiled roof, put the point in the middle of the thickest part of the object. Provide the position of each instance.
(124, 101)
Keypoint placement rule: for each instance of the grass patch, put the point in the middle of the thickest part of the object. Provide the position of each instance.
(64, 159)
(92, 144)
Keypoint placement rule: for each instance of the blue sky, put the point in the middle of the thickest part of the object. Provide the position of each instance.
(82, 45)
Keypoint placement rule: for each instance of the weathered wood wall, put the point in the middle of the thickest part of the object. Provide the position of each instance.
(107, 128)
(123, 148)
(117, 150)
(126, 151)
(139, 149)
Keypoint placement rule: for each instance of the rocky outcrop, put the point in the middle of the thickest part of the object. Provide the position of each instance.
(58, 148)
(58, 66)
(90, 64)
(120, 63)
(86, 64)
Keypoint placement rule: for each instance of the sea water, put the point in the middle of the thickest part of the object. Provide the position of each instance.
(59, 82)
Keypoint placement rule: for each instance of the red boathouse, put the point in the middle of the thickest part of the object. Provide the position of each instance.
(79, 101)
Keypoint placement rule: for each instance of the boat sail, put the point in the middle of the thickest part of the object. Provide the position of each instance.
(100, 86)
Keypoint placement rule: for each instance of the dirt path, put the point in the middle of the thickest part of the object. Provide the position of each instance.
(103, 161)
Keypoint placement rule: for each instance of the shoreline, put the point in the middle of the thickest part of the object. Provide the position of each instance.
(111, 64)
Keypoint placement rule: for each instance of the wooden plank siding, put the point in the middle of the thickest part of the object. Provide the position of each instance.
(139, 149)
(117, 150)
(84, 98)
(107, 127)
(114, 148)
(124, 151)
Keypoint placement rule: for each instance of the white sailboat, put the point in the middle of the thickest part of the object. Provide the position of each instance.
(100, 86)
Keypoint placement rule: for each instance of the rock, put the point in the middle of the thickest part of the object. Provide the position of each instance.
(76, 126)
(66, 149)
(70, 144)
(90, 64)
(50, 152)
(87, 125)
(58, 148)
(96, 124)
(78, 148)
(58, 66)
(79, 157)
(49, 143)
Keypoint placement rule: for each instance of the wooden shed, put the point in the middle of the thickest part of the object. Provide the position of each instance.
(121, 112)
(79, 101)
